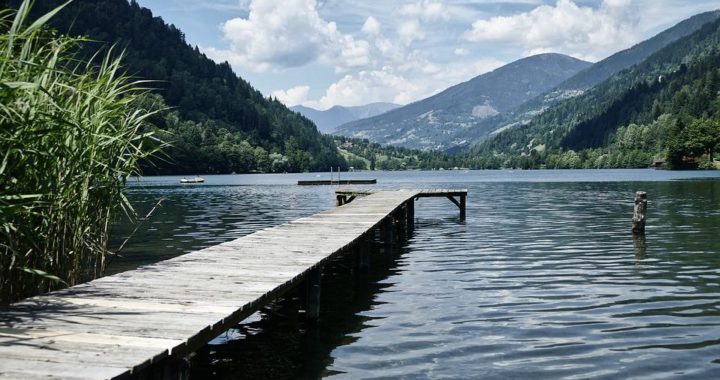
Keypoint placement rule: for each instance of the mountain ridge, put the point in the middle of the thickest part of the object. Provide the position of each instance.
(328, 120)
(664, 107)
(432, 123)
(603, 69)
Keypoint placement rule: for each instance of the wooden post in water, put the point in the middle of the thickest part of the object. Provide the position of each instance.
(638, 220)
(312, 299)
(462, 206)
(640, 247)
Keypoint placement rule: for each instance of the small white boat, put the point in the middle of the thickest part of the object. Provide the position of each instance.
(197, 179)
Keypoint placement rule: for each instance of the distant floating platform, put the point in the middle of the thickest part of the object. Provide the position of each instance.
(340, 182)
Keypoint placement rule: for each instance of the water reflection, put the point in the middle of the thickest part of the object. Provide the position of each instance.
(543, 279)
(640, 246)
(278, 343)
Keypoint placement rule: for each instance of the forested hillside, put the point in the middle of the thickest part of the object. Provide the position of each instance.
(452, 117)
(664, 108)
(218, 123)
(362, 154)
(601, 71)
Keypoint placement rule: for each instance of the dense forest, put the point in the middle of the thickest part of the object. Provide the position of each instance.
(362, 154)
(214, 121)
(665, 109)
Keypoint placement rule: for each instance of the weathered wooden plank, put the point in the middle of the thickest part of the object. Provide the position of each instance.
(113, 325)
(51, 370)
(60, 347)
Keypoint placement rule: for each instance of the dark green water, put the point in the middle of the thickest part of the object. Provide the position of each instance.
(543, 279)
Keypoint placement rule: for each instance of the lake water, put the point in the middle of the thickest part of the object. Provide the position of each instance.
(543, 279)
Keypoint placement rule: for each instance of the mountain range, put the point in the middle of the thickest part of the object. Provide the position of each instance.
(327, 120)
(439, 121)
(598, 72)
(663, 108)
(474, 111)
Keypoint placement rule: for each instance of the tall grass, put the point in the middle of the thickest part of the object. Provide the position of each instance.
(70, 137)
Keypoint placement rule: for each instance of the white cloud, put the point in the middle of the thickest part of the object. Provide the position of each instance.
(288, 33)
(416, 79)
(409, 31)
(565, 27)
(461, 52)
(379, 85)
(292, 96)
(425, 10)
(371, 26)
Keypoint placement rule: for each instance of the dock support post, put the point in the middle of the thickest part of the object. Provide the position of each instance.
(340, 200)
(389, 228)
(362, 255)
(410, 215)
(462, 206)
(399, 218)
(170, 368)
(638, 220)
(312, 299)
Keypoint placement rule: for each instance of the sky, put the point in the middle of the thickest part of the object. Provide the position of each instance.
(321, 53)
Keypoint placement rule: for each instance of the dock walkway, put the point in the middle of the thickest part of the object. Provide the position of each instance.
(141, 323)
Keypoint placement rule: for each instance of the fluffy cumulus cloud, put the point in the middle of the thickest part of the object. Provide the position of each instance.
(292, 96)
(425, 10)
(566, 27)
(416, 79)
(352, 53)
(371, 26)
(461, 52)
(399, 71)
(288, 33)
(410, 30)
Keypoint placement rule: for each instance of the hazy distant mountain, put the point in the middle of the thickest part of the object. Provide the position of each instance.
(436, 122)
(329, 119)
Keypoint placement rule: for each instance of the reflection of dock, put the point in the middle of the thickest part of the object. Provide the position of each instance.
(144, 322)
(339, 182)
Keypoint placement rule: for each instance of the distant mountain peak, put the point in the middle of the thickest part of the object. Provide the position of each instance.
(434, 122)
(329, 119)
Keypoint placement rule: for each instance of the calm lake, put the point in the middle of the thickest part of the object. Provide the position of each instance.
(543, 279)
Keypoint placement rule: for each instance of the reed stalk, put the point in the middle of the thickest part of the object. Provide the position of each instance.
(71, 135)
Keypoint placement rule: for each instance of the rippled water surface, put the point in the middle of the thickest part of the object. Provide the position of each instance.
(543, 279)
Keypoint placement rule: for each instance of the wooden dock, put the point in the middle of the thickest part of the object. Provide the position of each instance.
(317, 182)
(144, 323)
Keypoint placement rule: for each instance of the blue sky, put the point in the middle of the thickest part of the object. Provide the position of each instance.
(322, 53)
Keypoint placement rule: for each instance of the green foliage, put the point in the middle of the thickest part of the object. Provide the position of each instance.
(637, 116)
(71, 134)
(382, 157)
(217, 117)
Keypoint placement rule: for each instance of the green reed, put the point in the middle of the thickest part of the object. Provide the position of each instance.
(71, 135)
